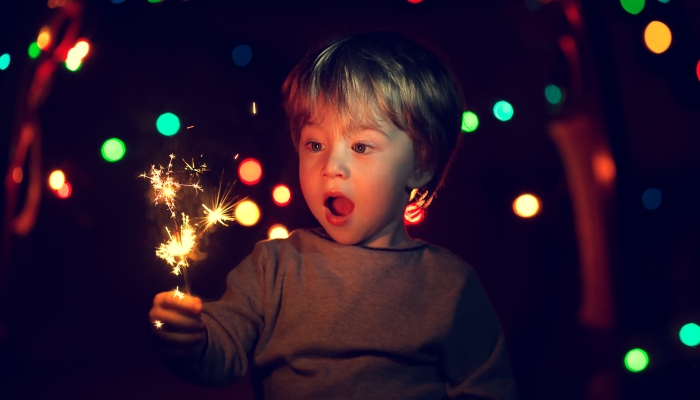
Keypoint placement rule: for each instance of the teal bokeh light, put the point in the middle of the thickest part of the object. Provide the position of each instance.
(168, 124)
(503, 110)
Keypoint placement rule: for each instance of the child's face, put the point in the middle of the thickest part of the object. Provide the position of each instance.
(355, 182)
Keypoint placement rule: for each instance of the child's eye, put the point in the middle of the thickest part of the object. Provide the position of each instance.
(315, 146)
(359, 147)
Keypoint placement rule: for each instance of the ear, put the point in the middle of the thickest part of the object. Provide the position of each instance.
(420, 178)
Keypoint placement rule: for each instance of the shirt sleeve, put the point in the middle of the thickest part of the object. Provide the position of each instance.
(233, 325)
(473, 356)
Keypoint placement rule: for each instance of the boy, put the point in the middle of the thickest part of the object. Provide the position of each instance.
(355, 309)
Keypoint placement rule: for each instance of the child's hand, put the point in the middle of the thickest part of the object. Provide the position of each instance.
(182, 333)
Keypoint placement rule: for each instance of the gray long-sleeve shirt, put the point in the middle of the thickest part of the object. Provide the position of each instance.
(319, 320)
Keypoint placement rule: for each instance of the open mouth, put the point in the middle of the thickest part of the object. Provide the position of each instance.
(339, 206)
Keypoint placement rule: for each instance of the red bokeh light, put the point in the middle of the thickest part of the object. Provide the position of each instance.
(65, 191)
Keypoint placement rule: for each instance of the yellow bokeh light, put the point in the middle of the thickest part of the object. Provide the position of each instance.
(81, 49)
(247, 213)
(278, 231)
(657, 37)
(57, 179)
(44, 38)
(526, 206)
(281, 195)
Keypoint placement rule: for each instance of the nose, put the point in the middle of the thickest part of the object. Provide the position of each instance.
(336, 164)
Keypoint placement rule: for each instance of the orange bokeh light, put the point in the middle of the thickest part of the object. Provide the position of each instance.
(657, 37)
(250, 171)
(281, 195)
(17, 175)
(44, 38)
(65, 191)
(413, 214)
(604, 167)
(57, 179)
(526, 206)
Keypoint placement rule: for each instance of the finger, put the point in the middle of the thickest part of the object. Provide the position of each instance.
(189, 304)
(173, 320)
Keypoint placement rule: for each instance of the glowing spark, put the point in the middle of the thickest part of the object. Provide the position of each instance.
(177, 293)
(157, 324)
(190, 127)
(195, 169)
(166, 186)
(221, 210)
(178, 247)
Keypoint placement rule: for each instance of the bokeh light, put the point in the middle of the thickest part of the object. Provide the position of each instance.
(651, 199)
(469, 121)
(277, 231)
(80, 50)
(604, 168)
(503, 110)
(633, 7)
(636, 360)
(697, 70)
(553, 94)
(168, 124)
(247, 213)
(44, 38)
(242, 55)
(57, 179)
(281, 195)
(664, 1)
(657, 37)
(34, 50)
(250, 171)
(690, 334)
(526, 206)
(415, 1)
(117, 1)
(73, 64)
(65, 191)
(113, 150)
(17, 175)
(4, 61)
(413, 214)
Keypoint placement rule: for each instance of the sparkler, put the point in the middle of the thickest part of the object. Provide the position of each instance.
(182, 241)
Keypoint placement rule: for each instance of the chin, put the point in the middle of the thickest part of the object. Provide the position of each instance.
(341, 237)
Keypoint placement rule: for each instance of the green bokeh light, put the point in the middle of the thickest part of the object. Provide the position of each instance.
(553, 94)
(4, 61)
(168, 124)
(34, 50)
(503, 110)
(469, 121)
(113, 150)
(633, 7)
(636, 360)
(690, 334)
(664, 1)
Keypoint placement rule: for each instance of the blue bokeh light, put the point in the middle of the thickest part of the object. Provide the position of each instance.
(242, 55)
(651, 198)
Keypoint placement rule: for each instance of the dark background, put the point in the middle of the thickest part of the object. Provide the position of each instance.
(82, 282)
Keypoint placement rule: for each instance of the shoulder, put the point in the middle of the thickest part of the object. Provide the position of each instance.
(447, 260)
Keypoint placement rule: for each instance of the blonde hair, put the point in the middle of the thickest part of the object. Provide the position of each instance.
(362, 76)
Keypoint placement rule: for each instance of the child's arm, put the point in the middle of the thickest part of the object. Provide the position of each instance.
(474, 357)
(233, 326)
